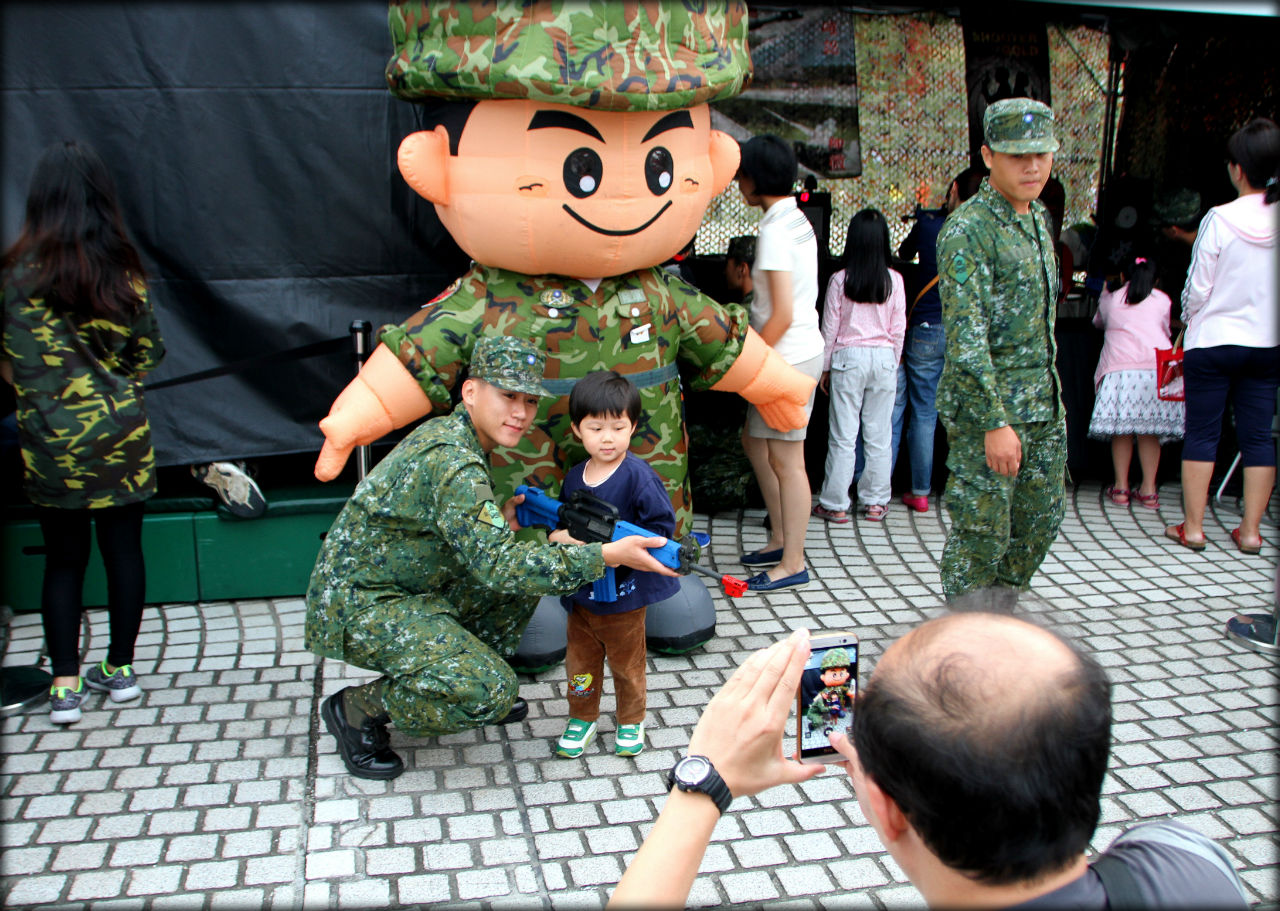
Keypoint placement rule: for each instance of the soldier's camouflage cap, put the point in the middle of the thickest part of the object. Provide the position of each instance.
(658, 55)
(1176, 207)
(510, 363)
(1016, 126)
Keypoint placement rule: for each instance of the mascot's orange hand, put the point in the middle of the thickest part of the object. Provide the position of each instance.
(383, 397)
(778, 390)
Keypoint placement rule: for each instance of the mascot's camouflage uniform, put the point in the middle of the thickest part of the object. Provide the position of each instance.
(999, 287)
(586, 160)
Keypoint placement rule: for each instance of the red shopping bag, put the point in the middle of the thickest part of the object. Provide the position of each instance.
(1169, 385)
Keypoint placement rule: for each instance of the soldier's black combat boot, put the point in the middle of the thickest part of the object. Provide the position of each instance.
(519, 709)
(365, 747)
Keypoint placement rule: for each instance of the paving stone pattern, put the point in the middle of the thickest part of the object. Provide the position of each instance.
(219, 789)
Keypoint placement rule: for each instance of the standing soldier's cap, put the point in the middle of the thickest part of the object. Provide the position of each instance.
(1176, 207)
(659, 55)
(509, 363)
(1016, 126)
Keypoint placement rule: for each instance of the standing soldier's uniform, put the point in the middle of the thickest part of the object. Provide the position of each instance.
(999, 287)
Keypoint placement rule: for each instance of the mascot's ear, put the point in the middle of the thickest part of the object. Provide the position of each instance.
(726, 155)
(423, 159)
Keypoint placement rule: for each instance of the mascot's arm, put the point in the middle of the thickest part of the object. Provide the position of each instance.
(382, 397)
(778, 390)
(732, 357)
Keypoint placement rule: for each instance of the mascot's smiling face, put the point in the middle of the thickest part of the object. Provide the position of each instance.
(551, 188)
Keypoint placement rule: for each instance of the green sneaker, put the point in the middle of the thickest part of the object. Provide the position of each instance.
(121, 684)
(630, 739)
(576, 738)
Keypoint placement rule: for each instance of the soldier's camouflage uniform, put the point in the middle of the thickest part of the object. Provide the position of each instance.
(637, 324)
(421, 579)
(999, 285)
(86, 442)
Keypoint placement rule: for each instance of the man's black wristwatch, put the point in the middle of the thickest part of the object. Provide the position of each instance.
(696, 773)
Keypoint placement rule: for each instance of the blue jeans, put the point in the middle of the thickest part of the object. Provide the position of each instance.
(924, 353)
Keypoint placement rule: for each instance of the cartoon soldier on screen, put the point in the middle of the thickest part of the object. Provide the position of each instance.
(583, 158)
(832, 702)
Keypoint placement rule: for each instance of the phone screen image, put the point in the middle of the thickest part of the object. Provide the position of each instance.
(825, 700)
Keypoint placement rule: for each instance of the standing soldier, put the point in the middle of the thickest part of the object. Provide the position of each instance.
(421, 577)
(999, 395)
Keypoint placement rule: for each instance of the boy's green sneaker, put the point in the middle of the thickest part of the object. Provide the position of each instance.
(121, 684)
(64, 703)
(630, 739)
(576, 738)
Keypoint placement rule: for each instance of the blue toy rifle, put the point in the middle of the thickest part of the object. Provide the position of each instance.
(590, 519)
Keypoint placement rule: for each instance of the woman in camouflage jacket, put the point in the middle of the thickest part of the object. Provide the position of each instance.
(77, 336)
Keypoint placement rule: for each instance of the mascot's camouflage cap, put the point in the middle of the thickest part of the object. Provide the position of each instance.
(1177, 207)
(1016, 126)
(654, 55)
(837, 657)
(509, 363)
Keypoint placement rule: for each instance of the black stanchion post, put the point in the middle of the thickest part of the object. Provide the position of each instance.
(361, 342)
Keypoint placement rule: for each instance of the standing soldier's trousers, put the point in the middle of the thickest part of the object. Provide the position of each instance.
(442, 655)
(1001, 527)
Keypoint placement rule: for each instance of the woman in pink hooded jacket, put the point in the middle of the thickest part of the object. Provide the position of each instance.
(1233, 337)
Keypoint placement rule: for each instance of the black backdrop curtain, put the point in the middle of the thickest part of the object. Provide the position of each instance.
(253, 145)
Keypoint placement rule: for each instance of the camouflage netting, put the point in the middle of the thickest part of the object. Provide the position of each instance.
(905, 102)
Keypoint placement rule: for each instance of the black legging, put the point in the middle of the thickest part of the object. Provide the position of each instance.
(66, 543)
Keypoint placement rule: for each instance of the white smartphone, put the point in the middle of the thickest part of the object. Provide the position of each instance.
(824, 701)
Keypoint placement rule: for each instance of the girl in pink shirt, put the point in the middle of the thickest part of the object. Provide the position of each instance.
(1135, 319)
(863, 322)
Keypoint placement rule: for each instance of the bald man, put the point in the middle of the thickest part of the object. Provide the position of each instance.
(980, 745)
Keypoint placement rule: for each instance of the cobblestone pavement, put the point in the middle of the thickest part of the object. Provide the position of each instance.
(218, 789)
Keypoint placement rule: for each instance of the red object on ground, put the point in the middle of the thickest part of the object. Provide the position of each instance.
(734, 588)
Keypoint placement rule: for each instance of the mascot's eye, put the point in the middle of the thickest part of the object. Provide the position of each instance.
(658, 170)
(582, 170)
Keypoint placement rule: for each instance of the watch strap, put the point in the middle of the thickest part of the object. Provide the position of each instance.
(711, 785)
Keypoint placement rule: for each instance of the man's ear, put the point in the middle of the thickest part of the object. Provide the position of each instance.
(726, 155)
(890, 821)
(468, 392)
(423, 159)
(988, 156)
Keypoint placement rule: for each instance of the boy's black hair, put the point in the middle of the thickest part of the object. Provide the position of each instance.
(742, 249)
(770, 162)
(604, 393)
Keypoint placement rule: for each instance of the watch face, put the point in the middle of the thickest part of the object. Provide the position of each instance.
(692, 770)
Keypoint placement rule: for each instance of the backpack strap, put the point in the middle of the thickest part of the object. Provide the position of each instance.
(1118, 883)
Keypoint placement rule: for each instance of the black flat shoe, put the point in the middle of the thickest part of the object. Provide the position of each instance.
(519, 710)
(365, 750)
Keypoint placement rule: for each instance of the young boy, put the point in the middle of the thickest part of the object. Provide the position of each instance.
(604, 409)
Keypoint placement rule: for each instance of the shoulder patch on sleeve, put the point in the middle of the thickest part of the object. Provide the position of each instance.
(487, 513)
(960, 267)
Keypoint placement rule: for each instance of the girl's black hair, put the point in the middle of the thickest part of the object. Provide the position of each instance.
(1141, 273)
(80, 258)
(866, 258)
(770, 162)
(1255, 147)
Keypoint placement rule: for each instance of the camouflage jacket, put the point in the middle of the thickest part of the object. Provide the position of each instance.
(637, 324)
(82, 425)
(999, 287)
(425, 522)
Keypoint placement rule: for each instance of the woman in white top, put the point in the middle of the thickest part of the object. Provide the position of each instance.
(784, 311)
(1233, 337)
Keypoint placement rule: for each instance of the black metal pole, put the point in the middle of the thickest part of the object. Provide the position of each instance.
(361, 342)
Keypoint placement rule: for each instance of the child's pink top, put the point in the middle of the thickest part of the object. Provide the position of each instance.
(846, 324)
(1133, 331)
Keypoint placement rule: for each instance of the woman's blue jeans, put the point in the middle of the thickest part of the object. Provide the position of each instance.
(924, 353)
